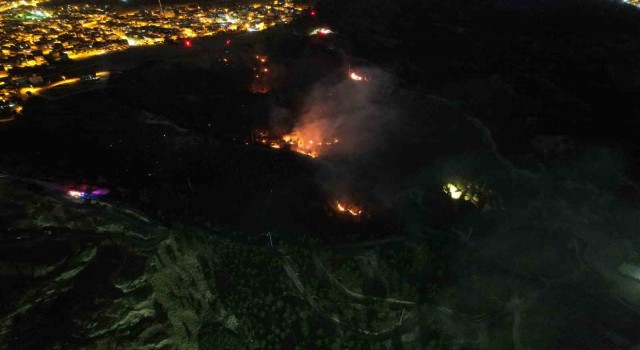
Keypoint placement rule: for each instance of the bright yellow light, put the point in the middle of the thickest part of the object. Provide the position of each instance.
(188, 32)
(453, 191)
(132, 42)
(355, 76)
(85, 54)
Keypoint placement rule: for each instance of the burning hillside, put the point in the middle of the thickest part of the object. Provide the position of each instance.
(308, 145)
(311, 144)
(262, 82)
(301, 141)
(342, 121)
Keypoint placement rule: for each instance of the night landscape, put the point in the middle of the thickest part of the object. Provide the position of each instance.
(330, 174)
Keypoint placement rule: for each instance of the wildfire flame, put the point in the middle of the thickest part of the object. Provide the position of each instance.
(262, 82)
(355, 76)
(311, 154)
(308, 146)
(348, 209)
(305, 140)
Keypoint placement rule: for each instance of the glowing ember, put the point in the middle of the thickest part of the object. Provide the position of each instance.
(311, 154)
(306, 141)
(355, 76)
(262, 83)
(355, 212)
(306, 144)
(348, 209)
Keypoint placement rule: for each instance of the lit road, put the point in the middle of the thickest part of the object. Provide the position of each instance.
(85, 55)
(132, 57)
(31, 91)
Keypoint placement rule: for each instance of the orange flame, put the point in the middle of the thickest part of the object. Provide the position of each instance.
(357, 77)
(311, 154)
(348, 209)
(306, 145)
(355, 212)
(306, 140)
(262, 83)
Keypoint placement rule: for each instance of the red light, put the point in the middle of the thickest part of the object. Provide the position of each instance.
(313, 13)
(228, 42)
(187, 43)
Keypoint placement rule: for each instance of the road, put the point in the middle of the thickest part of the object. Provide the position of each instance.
(109, 62)
(27, 92)
(400, 326)
(130, 58)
